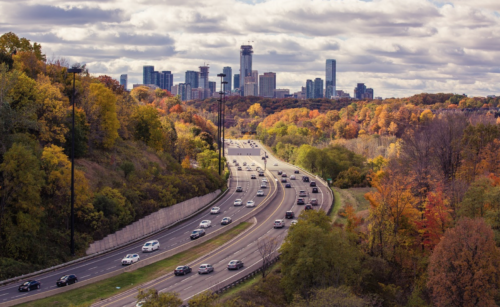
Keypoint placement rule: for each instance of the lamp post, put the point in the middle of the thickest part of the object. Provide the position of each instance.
(74, 71)
(224, 120)
(219, 122)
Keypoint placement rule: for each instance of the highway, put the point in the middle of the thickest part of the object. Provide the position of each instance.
(169, 239)
(245, 247)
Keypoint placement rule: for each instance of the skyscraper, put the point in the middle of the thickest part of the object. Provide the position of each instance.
(309, 89)
(213, 87)
(245, 65)
(236, 81)
(229, 79)
(251, 89)
(361, 92)
(267, 84)
(318, 88)
(331, 76)
(147, 72)
(192, 77)
(155, 79)
(255, 78)
(168, 80)
(184, 91)
(124, 81)
(203, 77)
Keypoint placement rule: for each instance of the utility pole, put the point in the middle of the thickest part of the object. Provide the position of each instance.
(219, 122)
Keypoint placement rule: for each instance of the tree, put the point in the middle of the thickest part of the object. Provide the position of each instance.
(204, 299)
(152, 298)
(102, 106)
(332, 297)
(186, 163)
(148, 127)
(268, 249)
(464, 268)
(10, 42)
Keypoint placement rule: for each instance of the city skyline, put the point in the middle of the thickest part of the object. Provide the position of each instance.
(397, 48)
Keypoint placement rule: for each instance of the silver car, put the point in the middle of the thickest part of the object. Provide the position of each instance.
(205, 269)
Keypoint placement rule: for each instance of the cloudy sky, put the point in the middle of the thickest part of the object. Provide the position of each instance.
(397, 47)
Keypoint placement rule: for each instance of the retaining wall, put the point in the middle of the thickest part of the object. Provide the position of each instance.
(152, 223)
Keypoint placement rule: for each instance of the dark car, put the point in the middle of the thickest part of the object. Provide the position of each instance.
(66, 280)
(283, 180)
(308, 207)
(289, 215)
(197, 233)
(312, 184)
(234, 265)
(314, 201)
(305, 179)
(300, 201)
(261, 174)
(315, 190)
(182, 270)
(280, 172)
(296, 171)
(283, 175)
(29, 285)
(288, 185)
(226, 221)
(263, 158)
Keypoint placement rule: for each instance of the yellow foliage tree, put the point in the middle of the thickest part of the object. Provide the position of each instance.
(186, 163)
(255, 110)
(105, 102)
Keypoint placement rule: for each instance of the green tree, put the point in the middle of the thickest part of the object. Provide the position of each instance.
(104, 129)
(20, 202)
(10, 42)
(332, 297)
(204, 299)
(148, 127)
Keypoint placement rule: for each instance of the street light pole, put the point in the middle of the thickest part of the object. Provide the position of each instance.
(219, 122)
(74, 71)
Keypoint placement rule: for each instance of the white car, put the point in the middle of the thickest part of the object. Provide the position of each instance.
(264, 180)
(253, 176)
(260, 193)
(253, 164)
(238, 202)
(215, 210)
(250, 203)
(275, 164)
(263, 186)
(130, 258)
(279, 223)
(205, 224)
(292, 177)
(244, 164)
(151, 246)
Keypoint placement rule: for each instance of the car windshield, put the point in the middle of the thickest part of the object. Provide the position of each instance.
(147, 244)
(204, 222)
(180, 268)
(129, 256)
(64, 277)
(215, 208)
(232, 262)
(26, 283)
(195, 232)
(203, 267)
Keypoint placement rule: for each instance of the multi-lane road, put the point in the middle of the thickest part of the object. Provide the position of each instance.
(243, 248)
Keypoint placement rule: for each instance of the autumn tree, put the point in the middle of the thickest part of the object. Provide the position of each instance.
(255, 110)
(332, 297)
(153, 298)
(464, 268)
(10, 42)
(204, 299)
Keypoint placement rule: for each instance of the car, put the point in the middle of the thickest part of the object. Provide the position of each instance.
(263, 158)
(182, 270)
(253, 176)
(151, 246)
(296, 171)
(215, 210)
(226, 221)
(234, 264)
(289, 215)
(275, 164)
(238, 202)
(302, 193)
(312, 184)
(234, 160)
(264, 180)
(284, 175)
(250, 204)
(197, 233)
(239, 168)
(244, 164)
(288, 185)
(283, 180)
(239, 189)
(292, 177)
(130, 259)
(205, 269)
(261, 174)
(305, 179)
(253, 164)
(294, 222)
(236, 164)
(205, 224)
(263, 185)
(314, 201)
(308, 207)
(300, 201)
(260, 193)
(280, 172)
(29, 285)
(249, 168)
(315, 190)
(140, 303)
(279, 223)
(256, 145)
(66, 280)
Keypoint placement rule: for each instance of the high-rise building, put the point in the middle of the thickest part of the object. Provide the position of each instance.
(192, 77)
(281, 93)
(155, 78)
(167, 80)
(359, 91)
(185, 91)
(228, 78)
(250, 89)
(213, 87)
(203, 77)
(309, 89)
(236, 81)
(331, 76)
(255, 77)
(369, 93)
(147, 74)
(318, 88)
(124, 81)
(267, 84)
(245, 65)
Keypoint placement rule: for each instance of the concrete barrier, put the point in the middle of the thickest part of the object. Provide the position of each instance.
(152, 223)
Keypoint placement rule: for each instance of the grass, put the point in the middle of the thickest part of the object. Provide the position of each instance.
(352, 196)
(339, 203)
(87, 295)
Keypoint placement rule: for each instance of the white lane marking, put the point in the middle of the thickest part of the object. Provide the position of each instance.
(93, 268)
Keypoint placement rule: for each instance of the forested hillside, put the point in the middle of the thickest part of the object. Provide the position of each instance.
(134, 155)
